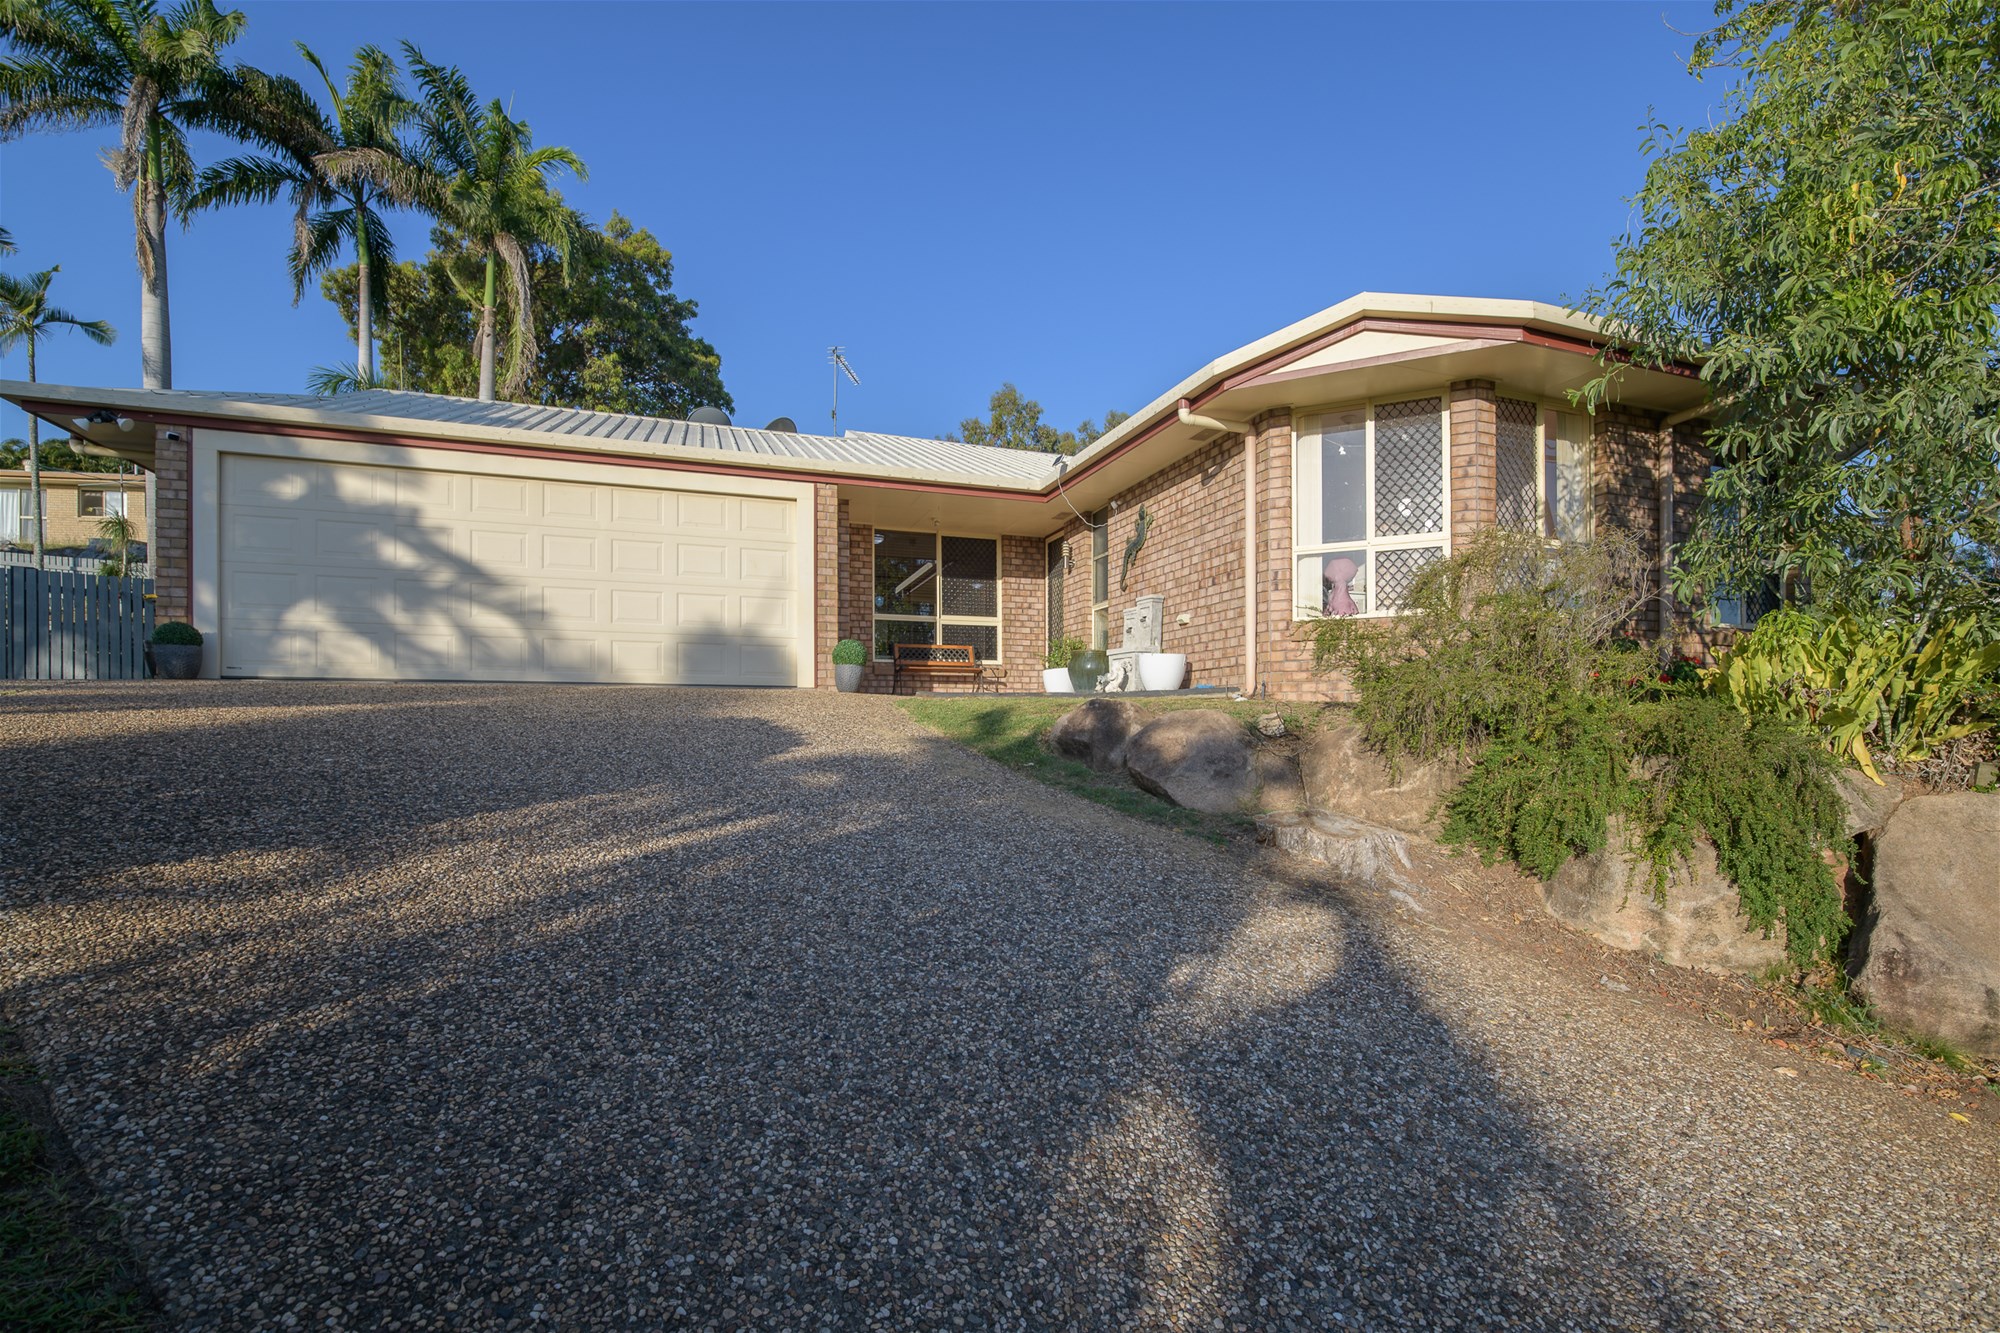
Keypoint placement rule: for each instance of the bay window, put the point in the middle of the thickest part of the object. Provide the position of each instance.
(931, 588)
(1370, 504)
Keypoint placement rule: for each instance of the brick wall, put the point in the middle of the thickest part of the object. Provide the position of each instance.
(827, 526)
(1024, 625)
(1475, 437)
(1193, 557)
(1625, 489)
(62, 493)
(171, 548)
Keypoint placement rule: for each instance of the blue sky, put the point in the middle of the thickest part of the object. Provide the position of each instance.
(1088, 200)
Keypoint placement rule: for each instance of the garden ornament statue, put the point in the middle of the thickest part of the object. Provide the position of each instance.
(1340, 572)
(1132, 547)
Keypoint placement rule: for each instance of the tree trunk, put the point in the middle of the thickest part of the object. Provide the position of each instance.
(364, 306)
(35, 505)
(486, 338)
(156, 361)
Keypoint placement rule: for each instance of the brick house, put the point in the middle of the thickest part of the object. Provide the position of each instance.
(74, 505)
(410, 536)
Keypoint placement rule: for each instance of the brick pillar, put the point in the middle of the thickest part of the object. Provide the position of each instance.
(1475, 447)
(828, 515)
(171, 547)
(1625, 485)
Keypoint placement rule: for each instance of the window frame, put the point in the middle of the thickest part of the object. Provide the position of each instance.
(937, 621)
(1100, 577)
(103, 493)
(1305, 499)
(1055, 584)
(1543, 444)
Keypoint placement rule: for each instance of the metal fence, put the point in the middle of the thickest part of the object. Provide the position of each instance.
(70, 564)
(64, 626)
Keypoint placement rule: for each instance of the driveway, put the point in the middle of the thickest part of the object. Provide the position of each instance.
(506, 1007)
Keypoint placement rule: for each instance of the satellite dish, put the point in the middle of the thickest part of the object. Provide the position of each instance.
(709, 416)
(783, 425)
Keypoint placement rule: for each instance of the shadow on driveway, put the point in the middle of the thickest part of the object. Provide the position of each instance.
(631, 1007)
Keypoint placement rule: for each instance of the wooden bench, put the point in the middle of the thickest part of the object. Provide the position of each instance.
(940, 661)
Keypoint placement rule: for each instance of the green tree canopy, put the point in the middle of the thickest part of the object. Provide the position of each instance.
(55, 455)
(616, 337)
(1014, 422)
(1829, 252)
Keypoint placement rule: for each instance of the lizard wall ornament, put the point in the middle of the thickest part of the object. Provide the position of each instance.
(1132, 547)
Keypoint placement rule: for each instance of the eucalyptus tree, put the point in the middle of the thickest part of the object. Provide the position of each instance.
(80, 64)
(340, 169)
(1825, 250)
(483, 179)
(26, 317)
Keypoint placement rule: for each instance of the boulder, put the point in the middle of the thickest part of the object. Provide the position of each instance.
(1609, 896)
(1196, 758)
(1342, 773)
(1869, 803)
(1097, 732)
(1931, 951)
(1360, 853)
(1277, 774)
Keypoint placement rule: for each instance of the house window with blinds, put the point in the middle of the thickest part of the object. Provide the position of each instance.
(1370, 499)
(933, 588)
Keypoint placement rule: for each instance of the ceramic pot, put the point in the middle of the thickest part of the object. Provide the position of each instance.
(1055, 680)
(1086, 667)
(1162, 671)
(847, 676)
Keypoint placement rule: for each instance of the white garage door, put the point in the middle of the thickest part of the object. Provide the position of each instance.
(341, 569)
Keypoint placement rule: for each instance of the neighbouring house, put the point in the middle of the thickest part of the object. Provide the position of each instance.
(74, 506)
(399, 535)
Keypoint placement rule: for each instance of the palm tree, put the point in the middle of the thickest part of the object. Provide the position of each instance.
(84, 63)
(27, 317)
(483, 179)
(339, 170)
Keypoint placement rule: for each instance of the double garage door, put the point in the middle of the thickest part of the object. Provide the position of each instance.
(350, 570)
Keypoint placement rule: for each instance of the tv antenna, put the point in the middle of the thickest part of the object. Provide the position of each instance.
(837, 358)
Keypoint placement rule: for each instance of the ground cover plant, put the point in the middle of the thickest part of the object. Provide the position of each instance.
(62, 1263)
(1515, 657)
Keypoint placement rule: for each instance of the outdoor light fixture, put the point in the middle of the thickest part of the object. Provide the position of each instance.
(124, 423)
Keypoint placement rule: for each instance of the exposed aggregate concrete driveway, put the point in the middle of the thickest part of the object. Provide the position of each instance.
(477, 1007)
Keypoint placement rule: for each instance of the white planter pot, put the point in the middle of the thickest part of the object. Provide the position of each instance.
(1162, 671)
(1055, 680)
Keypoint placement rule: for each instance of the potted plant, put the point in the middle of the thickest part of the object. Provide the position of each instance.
(1086, 667)
(849, 660)
(1055, 666)
(177, 650)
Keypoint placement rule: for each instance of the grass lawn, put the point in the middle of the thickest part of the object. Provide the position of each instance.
(1012, 730)
(62, 1262)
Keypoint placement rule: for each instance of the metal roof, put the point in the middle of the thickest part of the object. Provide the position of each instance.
(621, 433)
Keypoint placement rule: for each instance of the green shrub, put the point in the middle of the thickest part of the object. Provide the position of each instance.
(176, 634)
(1061, 651)
(1865, 688)
(1495, 640)
(1513, 655)
(849, 652)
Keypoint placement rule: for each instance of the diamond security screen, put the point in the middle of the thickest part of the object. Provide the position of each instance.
(1396, 570)
(1515, 465)
(1409, 469)
(971, 576)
